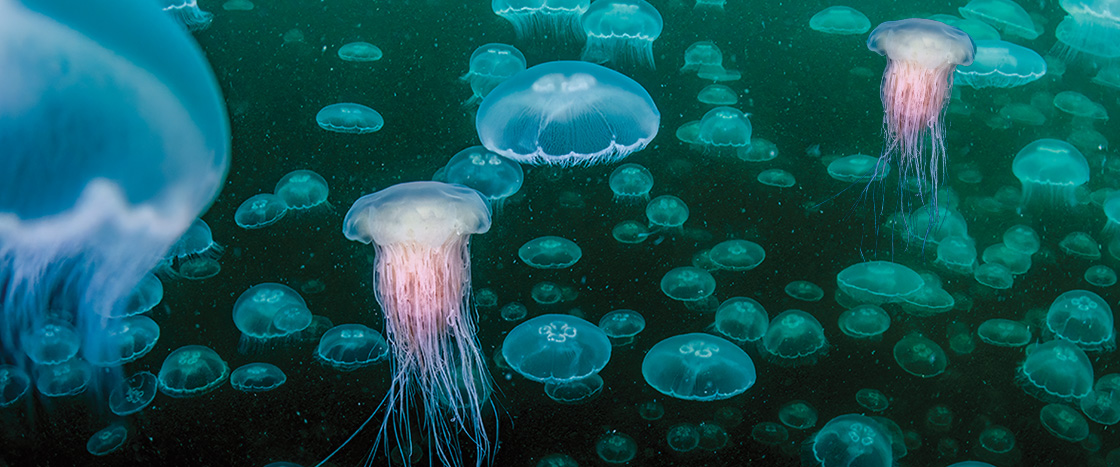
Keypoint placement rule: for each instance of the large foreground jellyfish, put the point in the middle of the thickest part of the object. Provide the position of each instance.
(921, 57)
(422, 280)
(115, 138)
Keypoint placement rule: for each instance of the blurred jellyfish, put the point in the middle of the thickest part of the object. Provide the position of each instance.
(491, 64)
(260, 211)
(683, 437)
(616, 448)
(770, 433)
(1080, 245)
(550, 252)
(1100, 276)
(725, 130)
(872, 399)
(267, 313)
(840, 20)
(776, 178)
(1091, 27)
(688, 284)
(666, 212)
(1004, 333)
(63, 379)
(864, 322)
(192, 370)
(1005, 15)
(188, 14)
(350, 118)
(133, 393)
(1050, 170)
(556, 348)
(631, 183)
(805, 291)
(741, 319)
(550, 18)
(125, 340)
(622, 325)
(574, 392)
(1083, 318)
(302, 190)
(347, 347)
(737, 255)
(51, 343)
(494, 176)
(702, 54)
(1102, 404)
(1001, 64)
(238, 5)
(360, 52)
(147, 294)
(621, 31)
(1056, 370)
(107, 440)
(1111, 207)
(850, 440)
(257, 377)
(14, 383)
(717, 94)
(921, 56)
(546, 293)
(421, 233)
(712, 437)
(1064, 422)
(699, 367)
(651, 410)
(193, 256)
(514, 311)
(567, 113)
(920, 356)
(798, 414)
(857, 168)
(794, 338)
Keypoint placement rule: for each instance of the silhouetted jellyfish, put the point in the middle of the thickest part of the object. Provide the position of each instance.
(576, 391)
(567, 113)
(257, 377)
(794, 338)
(1078, 105)
(489, 65)
(631, 183)
(14, 383)
(268, 313)
(51, 343)
(347, 347)
(622, 325)
(741, 319)
(107, 440)
(555, 18)
(840, 20)
(513, 311)
(737, 255)
(1064, 422)
(193, 256)
(1080, 245)
(725, 130)
(616, 448)
(1083, 318)
(494, 176)
(1091, 27)
(1102, 404)
(921, 56)
(688, 284)
(702, 54)
(621, 32)
(63, 379)
(717, 94)
(699, 367)
(546, 293)
(134, 393)
(188, 14)
(630, 232)
(872, 399)
(683, 437)
(125, 340)
(850, 440)
(351, 118)
(302, 189)
(798, 414)
(770, 433)
(1000, 64)
(666, 212)
(260, 211)
(1005, 15)
(1004, 333)
(550, 252)
(1056, 370)
(192, 370)
(556, 348)
(878, 282)
(805, 291)
(360, 52)
(920, 356)
(1050, 170)
(864, 322)
(1100, 276)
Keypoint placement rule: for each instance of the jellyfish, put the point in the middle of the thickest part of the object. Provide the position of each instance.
(698, 367)
(191, 371)
(737, 255)
(666, 212)
(1083, 318)
(725, 130)
(631, 184)
(616, 448)
(125, 340)
(260, 211)
(194, 256)
(63, 379)
(1056, 370)
(347, 347)
(920, 356)
(513, 311)
(360, 52)
(683, 437)
(496, 177)
(107, 440)
(805, 291)
(850, 440)
(703, 54)
(133, 393)
(1091, 27)
(741, 319)
(840, 20)
(688, 284)
(14, 383)
(1004, 333)
(558, 18)
(798, 414)
(872, 399)
(576, 391)
(269, 313)
(188, 14)
(1064, 422)
(1050, 171)
(622, 325)
(794, 338)
(115, 139)
(1001, 64)
(355, 119)
(421, 233)
(864, 322)
(921, 57)
(717, 94)
(303, 190)
(257, 377)
(556, 348)
(489, 65)
(550, 252)
(621, 31)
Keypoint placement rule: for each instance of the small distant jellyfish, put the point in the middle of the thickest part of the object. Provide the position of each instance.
(712, 436)
(920, 356)
(850, 440)
(688, 284)
(631, 184)
(1079, 105)
(840, 20)
(777, 178)
(1083, 318)
(1064, 422)
(495, 177)
(770, 433)
(622, 325)
(725, 130)
(702, 54)
(303, 190)
(347, 347)
(737, 255)
(550, 252)
(546, 293)
(350, 118)
(14, 383)
(187, 13)
(857, 168)
(257, 377)
(630, 232)
(798, 414)
(556, 348)
(698, 367)
(741, 319)
(567, 113)
(864, 322)
(1005, 15)
(621, 31)
(717, 94)
(359, 52)
(513, 311)
(872, 399)
(192, 371)
(1050, 170)
(550, 18)
(616, 448)
(107, 440)
(260, 211)
(268, 313)
(1004, 333)
(666, 212)
(921, 57)
(805, 291)
(794, 338)
(683, 437)
(489, 65)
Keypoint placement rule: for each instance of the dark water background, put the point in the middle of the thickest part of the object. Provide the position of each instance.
(801, 92)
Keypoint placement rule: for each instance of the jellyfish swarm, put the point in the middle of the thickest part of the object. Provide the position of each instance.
(115, 138)
(921, 57)
(422, 280)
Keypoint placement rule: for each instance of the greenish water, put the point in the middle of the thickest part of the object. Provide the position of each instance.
(802, 88)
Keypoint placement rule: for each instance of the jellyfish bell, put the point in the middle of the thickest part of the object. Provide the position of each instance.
(421, 232)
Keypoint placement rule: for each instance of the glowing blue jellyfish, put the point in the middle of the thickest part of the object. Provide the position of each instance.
(147, 294)
(1004, 333)
(1005, 15)
(360, 52)
(107, 440)
(491, 64)
(125, 340)
(776, 178)
(574, 392)
(851, 440)
(622, 325)
(542, 17)
(260, 211)
(840, 20)
(666, 212)
(920, 356)
(1083, 318)
(872, 399)
(1064, 422)
(351, 118)
(857, 168)
(725, 130)
(14, 383)
(192, 370)
(699, 367)
(717, 94)
(864, 322)
(133, 393)
(51, 343)
(805, 291)
(269, 312)
(798, 414)
(741, 319)
(631, 183)
(737, 255)
(513, 311)
(257, 377)
(302, 190)
(496, 177)
(688, 284)
(1050, 170)
(567, 113)
(63, 379)
(188, 14)
(115, 138)
(703, 54)
(550, 252)
(878, 282)
(621, 31)
(556, 348)
(1000, 64)
(194, 256)
(1091, 27)
(1056, 370)
(794, 338)
(347, 347)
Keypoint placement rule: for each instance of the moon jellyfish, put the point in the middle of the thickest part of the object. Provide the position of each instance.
(621, 31)
(489, 65)
(63, 379)
(557, 348)
(921, 57)
(1056, 370)
(1083, 318)
(302, 189)
(188, 14)
(864, 322)
(725, 130)
(360, 52)
(576, 391)
(115, 139)
(1050, 171)
(920, 356)
(1091, 27)
(134, 393)
(194, 256)
(688, 284)
(1005, 15)
(1001, 64)
(683, 437)
(347, 347)
(840, 20)
(257, 377)
(631, 183)
(794, 338)
(260, 211)
(351, 118)
(550, 252)
(741, 319)
(192, 370)
(717, 94)
(850, 440)
(268, 313)
(107, 440)
(666, 212)
(737, 255)
(496, 177)
(699, 367)
(14, 383)
(422, 280)
(616, 448)
(798, 414)
(622, 325)
(1064, 422)
(770, 433)
(542, 17)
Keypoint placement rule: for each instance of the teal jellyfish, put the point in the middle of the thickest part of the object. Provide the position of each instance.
(857, 168)
(683, 437)
(257, 377)
(616, 448)
(188, 14)
(489, 65)
(550, 252)
(556, 348)
(805, 291)
(573, 392)
(631, 183)
(126, 340)
(794, 338)
(872, 399)
(701, 55)
(260, 211)
(1083, 318)
(770, 433)
(776, 178)
(267, 313)
(1004, 333)
(621, 32)
(718, 94)
(513, 311)
(68, 378)
(302, 190)
(1102, 404)
(350, 118)
(147, 294)
(194, 257)
(1056, 370)
(14, 383)
(699, 367)
(798, 414)
(192, 371)
(567, 113)
(1005, 15)
(496, 177)
(1000, 64)
(1064, 422)
(878, 282)
(1050, 171)
(864, 322)
(115, 139)
(360, 52)
(741, 319)
(850, 440)
(550, 18)
(920, 356)
(107, 440)
(840, 20)
(726, 131)
(347, 347)
(51, 343)
(737, 255)
(688, 284)
(622, 325)
(1092, 27)
(133, 393)
(666, 212)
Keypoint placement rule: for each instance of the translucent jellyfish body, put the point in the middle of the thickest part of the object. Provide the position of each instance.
(864, 322)
(878, 282)
(1004, 333)
(872, 399)
(1050, 171)
(805, 291)
(688, 284)
(616, 448)
(496, 177)
(360, 52)
(556, 348)
(115, 139)
(51, 343)
(349, 118)
(726, 130)
(741, 319)
(798, 414)
(133, 393)
(187, 13)
(857, 168)
(1091, 28)
(550, 18)
(107, 440)
(303, 189)
(840, 20)
(191, 371)
(699, 367)
(194, 256)
(703, 54)
(737, 255)
(550, 252)
(1004, 15)
(1064, 422)
(567, 113)
(1102, 404)
(794, 338)
(125, 340)
(667, 212)
(63, 379)
(920, 356)
(621, 31)
(852, 440)
(574, 392)
(347, 347)
(269, 312)
(622, 325)
(1000, 64)
(491, 64)
(631, 183)
(260, 211)
(14, 383)
(770, 433)
(1079, 105)
(1056, 370)
(1083, 318)
(683, 437)
(257, 377)
(717, 94)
